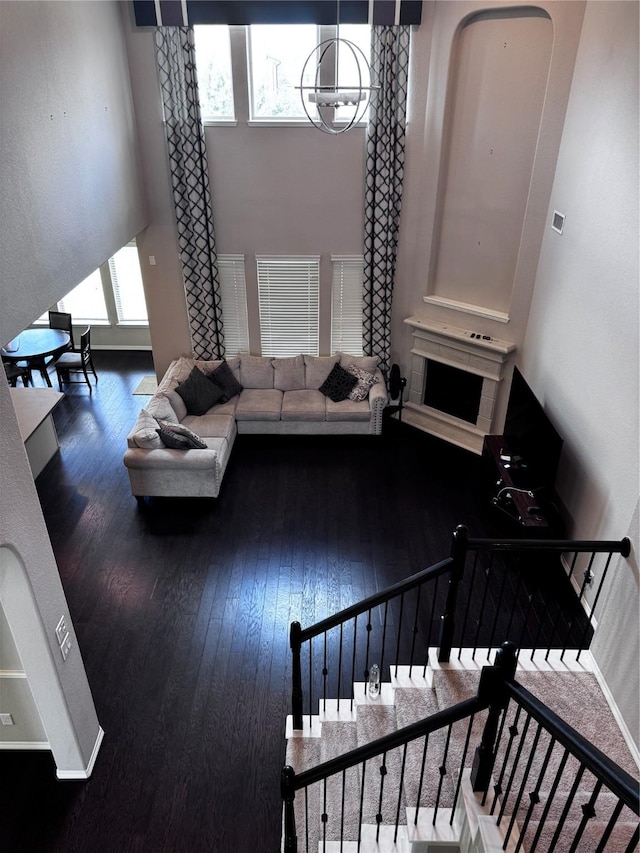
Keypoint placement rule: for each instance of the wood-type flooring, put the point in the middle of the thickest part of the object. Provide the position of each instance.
(182, 612)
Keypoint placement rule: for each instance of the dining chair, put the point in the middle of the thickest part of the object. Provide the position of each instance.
(14, 372)
(76, 362)
(62, 320)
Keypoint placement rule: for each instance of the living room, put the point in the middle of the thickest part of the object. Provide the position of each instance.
(85, 171)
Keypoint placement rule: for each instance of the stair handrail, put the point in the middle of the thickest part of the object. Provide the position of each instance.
(463, 543)
(497, 685)
(298, 635)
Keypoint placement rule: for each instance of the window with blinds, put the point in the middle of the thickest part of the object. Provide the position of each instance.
(126, 281)
(346, 303)
(289, 304)
(233, 293)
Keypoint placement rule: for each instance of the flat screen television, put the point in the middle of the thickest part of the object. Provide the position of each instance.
(529, 433)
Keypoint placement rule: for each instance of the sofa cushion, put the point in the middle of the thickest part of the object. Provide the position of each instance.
(259, 404)
(288, 373)
(364, 362)
(256, 371)
(223, 377)
(347, 410)
(161, 409)
(365, 380)
(317, 368)
(145, 432)
(304, 405)
(212, 425)
(198, 393)
(338, 384)
(179, 437)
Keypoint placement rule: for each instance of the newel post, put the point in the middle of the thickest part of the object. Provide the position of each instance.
(448, 618)
(296, 674)
(288, 793)
(492, 689)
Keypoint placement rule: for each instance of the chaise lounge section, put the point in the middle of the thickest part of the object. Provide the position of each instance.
(181, 442)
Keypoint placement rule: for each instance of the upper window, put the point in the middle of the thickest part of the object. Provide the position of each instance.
(277, 54)
(215, 83)
(351, 72)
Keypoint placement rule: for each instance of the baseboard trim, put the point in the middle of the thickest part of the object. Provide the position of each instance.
(25, 744)
(613, 706)
(65, 775)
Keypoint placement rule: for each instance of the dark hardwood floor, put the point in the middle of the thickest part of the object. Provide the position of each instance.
(182, 612)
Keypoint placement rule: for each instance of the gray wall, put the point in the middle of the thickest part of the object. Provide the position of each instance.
(70, 197)
(582, 344)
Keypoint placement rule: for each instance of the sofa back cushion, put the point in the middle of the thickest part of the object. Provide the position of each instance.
(288, 373)
(317, 368)
(256, 371)
(363, 362)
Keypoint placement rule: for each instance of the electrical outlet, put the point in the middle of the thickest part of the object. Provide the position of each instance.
(6, 720)
(65, 646)
(61, 629)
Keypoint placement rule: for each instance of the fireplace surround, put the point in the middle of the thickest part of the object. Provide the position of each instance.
(454, 382)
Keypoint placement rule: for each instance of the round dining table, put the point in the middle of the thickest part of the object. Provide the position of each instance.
(34, 346)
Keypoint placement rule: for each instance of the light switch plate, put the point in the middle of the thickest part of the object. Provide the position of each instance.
(65, 646)
(61, 629)
(6, 720)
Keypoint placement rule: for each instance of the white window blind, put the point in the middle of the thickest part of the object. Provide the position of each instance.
(86, 301)
(288, 297)
(347, 303)
(233, 292)
(126, 281)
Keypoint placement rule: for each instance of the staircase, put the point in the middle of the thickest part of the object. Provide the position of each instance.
(450, 815)
(472, 750)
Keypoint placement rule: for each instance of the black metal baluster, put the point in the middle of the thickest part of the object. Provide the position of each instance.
(487, 576)
(360, 816)
(310, 682)
(461, 768)
(551, 795)
(344, 783)
(516, 597)
(523, 784)
(497, 745)
(383, 773)
(534, 796)
(443, 773)
(498, 606)
(353, 659)
(559, 609)
(524, 627)
(340, 667)
(400, 787)
(306, 818)
(366, 660)
(421, 780)
(613, 820)
(513, 733)
(384, 640)
(324, 817)
(514, 767)
(581, 645)
(398, 635)
(325, 672)
(588, 812)
(431, 614)
(465, 620)
(415, 631)
(567, 807)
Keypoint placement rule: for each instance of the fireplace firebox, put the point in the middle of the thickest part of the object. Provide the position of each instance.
(452, 390)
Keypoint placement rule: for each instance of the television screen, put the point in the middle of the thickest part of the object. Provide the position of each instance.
(530, 434)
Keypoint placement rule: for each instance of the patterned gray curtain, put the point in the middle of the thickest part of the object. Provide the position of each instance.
(383, 188)
(175, 54)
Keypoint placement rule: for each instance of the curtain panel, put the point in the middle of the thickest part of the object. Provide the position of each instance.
(383, 184)
(175, 54)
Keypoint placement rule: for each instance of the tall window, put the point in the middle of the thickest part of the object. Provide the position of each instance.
(215, 83)
(86, 301)
(126, 281)
(347, 303)
(288, 297)
(351, 71)
(233, 291)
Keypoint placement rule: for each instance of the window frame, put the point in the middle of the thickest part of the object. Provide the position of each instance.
(347, 304)
(285, 284)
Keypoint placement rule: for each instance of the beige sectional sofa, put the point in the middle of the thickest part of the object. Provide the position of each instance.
(279, 396)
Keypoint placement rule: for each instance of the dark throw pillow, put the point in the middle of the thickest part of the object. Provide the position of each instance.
(223, 377)
(198, 393)
(179, 437)
(338, 384)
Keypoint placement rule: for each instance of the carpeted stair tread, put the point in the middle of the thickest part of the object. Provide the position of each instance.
(412, 705)
(589, 841)
(302, 754)
(375, 721)
(337, 739)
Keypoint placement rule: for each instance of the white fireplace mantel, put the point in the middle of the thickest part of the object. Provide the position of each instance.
(466, 350)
